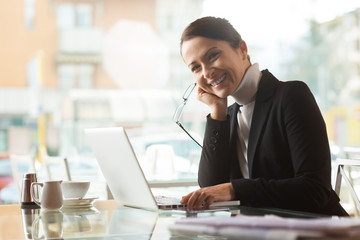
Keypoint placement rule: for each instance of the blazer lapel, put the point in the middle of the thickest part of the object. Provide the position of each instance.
(267, 86)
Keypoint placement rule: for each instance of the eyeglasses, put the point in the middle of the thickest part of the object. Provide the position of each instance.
(180, 108)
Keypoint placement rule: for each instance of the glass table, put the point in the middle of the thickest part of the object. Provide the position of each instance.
(108, 220)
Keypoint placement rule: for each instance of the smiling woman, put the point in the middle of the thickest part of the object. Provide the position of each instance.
(270, 147)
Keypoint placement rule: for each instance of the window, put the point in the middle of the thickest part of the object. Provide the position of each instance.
(84, 15)
(29, 11)
(103, 63)
(65, 16)
(75, 76)
(74, 15)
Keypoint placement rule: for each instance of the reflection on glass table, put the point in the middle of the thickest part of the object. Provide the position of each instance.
(132, 222)
(48, 224)
(66, 224)
(108, 219)
(28, 217)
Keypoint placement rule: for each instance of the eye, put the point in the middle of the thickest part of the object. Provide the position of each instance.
(213, 55)
(194, 68)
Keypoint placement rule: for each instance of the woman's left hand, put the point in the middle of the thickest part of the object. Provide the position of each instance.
(204, 197)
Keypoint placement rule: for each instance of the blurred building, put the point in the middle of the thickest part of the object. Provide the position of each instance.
(53, 80)
(339, 76)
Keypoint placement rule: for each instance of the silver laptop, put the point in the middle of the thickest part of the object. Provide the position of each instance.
(123, 173)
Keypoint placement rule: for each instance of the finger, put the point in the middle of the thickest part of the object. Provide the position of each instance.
(209, 200)
(200, 94)
(193, 199)
(205, 200)
(200, 90)
(185, 198)
(197, 203)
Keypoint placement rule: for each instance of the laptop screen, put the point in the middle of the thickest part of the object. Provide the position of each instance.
(120, 167)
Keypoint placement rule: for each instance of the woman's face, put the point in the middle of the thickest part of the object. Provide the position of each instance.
(217, 67)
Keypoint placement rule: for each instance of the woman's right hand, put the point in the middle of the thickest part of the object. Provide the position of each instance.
(217, 105)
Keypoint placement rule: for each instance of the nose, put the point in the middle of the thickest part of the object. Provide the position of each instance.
(208, 72)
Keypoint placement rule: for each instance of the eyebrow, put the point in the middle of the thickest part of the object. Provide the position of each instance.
(206, 53)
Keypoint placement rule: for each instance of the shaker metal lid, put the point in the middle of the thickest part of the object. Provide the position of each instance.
(29, 176)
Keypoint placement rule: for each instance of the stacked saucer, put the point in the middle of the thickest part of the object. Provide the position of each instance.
(78, 203)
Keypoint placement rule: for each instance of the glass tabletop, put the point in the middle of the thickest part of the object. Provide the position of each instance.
(107, 219)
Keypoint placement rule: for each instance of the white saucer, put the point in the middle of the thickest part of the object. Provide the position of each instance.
(78, 203)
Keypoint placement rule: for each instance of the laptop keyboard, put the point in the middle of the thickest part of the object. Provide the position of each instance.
(166, 202)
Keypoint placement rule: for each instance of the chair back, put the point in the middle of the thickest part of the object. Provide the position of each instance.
(20, 164)
(344, 170)
(161, 161)
(57, 168)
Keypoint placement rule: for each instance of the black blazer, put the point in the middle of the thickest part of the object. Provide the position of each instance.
(288, 151)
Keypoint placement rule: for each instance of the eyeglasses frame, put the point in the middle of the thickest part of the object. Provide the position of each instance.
(180, 108)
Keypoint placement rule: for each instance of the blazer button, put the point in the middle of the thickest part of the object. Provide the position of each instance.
(213, 140)
(212, 147)
(215, 132)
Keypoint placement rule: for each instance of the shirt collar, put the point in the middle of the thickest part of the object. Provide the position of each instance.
(246, 91)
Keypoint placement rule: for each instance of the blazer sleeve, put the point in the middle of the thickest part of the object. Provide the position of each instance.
(215, 157)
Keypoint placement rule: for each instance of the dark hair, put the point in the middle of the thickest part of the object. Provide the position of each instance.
(214, 28)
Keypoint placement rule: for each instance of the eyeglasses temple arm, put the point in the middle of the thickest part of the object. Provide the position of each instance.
(180, 125)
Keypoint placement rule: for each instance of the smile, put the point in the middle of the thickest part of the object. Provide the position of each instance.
(218, 81)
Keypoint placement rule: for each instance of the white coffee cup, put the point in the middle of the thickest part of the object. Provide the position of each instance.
(51, 195)
(73, 189)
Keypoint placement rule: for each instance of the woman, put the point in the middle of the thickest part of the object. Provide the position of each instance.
(270, 147)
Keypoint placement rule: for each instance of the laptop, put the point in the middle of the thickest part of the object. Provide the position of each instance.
(122, 171)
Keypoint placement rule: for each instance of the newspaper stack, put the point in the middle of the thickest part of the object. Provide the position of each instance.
(269, 227)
